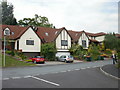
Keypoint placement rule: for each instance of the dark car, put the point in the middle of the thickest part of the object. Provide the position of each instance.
(38, 59)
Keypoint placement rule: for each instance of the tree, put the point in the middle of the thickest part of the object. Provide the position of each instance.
(36, 21)
(112, 42)
(48, 50)
(7, 14)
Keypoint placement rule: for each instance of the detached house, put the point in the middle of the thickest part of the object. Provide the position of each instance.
(85, 39)
(23, 39)
(99, 37)
(60, 37)
(80, 38)
(29, 39)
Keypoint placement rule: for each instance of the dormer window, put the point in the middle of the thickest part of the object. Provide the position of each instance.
(6, 31)
(12, 33)
(46, 34)
(76, 34)
(56, 32)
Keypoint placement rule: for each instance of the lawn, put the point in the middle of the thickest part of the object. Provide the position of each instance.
(11, 62)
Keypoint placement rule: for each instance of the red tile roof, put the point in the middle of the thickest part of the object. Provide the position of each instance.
(95, 34)
(41, 32)
(90, 34)
(99, 34)
(75, 35)
(49, 34)
(18, 31)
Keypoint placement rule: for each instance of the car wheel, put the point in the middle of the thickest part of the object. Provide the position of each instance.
(43, 62)
(35, 62)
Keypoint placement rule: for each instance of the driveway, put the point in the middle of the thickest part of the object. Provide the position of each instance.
(48, 63)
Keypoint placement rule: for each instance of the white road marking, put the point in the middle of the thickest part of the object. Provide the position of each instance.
(68, 70)
(77, 69)
(63, 71)
(88, 67)
(95, 66)
(46, 81)
(16, 77)
(6, 78)
(27, 76)
(83, 68)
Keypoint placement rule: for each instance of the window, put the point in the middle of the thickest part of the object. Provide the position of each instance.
(12, 33)
(6, 31)
(84, 43)
(64, 43)
(76, 34)
(46, 34)
(56, 32)
(29, 42)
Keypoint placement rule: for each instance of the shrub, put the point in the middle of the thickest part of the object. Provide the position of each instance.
(12, 53)
(108, 51)
(29, 60)
(21, 55)
(93, 51)
(8, 52)
(48, 50)
(77, 51)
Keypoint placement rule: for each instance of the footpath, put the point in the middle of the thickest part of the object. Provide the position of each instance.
(111, 70)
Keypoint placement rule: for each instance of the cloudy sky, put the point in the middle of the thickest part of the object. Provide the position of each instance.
(77, 15)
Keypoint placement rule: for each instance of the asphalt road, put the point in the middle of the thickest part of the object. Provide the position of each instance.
(35, 70)
(81, 75)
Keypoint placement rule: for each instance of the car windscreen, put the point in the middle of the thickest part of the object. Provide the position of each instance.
(38, 56)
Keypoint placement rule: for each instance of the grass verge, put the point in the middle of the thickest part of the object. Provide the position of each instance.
(11, 62)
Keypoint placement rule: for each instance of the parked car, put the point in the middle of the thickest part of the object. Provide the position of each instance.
(38, 59)
(66, 58)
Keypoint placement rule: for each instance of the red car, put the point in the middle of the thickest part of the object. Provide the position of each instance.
(38, 59)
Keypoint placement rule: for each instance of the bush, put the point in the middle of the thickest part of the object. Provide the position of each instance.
(29, 60)
(12, 53)
(77, 51)
(48, 50)
(93, 51)
(108, 51)
(21, 55)
(8, 52)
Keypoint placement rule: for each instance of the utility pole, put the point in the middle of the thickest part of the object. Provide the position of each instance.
(4, 50)
(6, 33)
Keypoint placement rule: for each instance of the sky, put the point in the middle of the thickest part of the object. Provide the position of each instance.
(77, 15)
